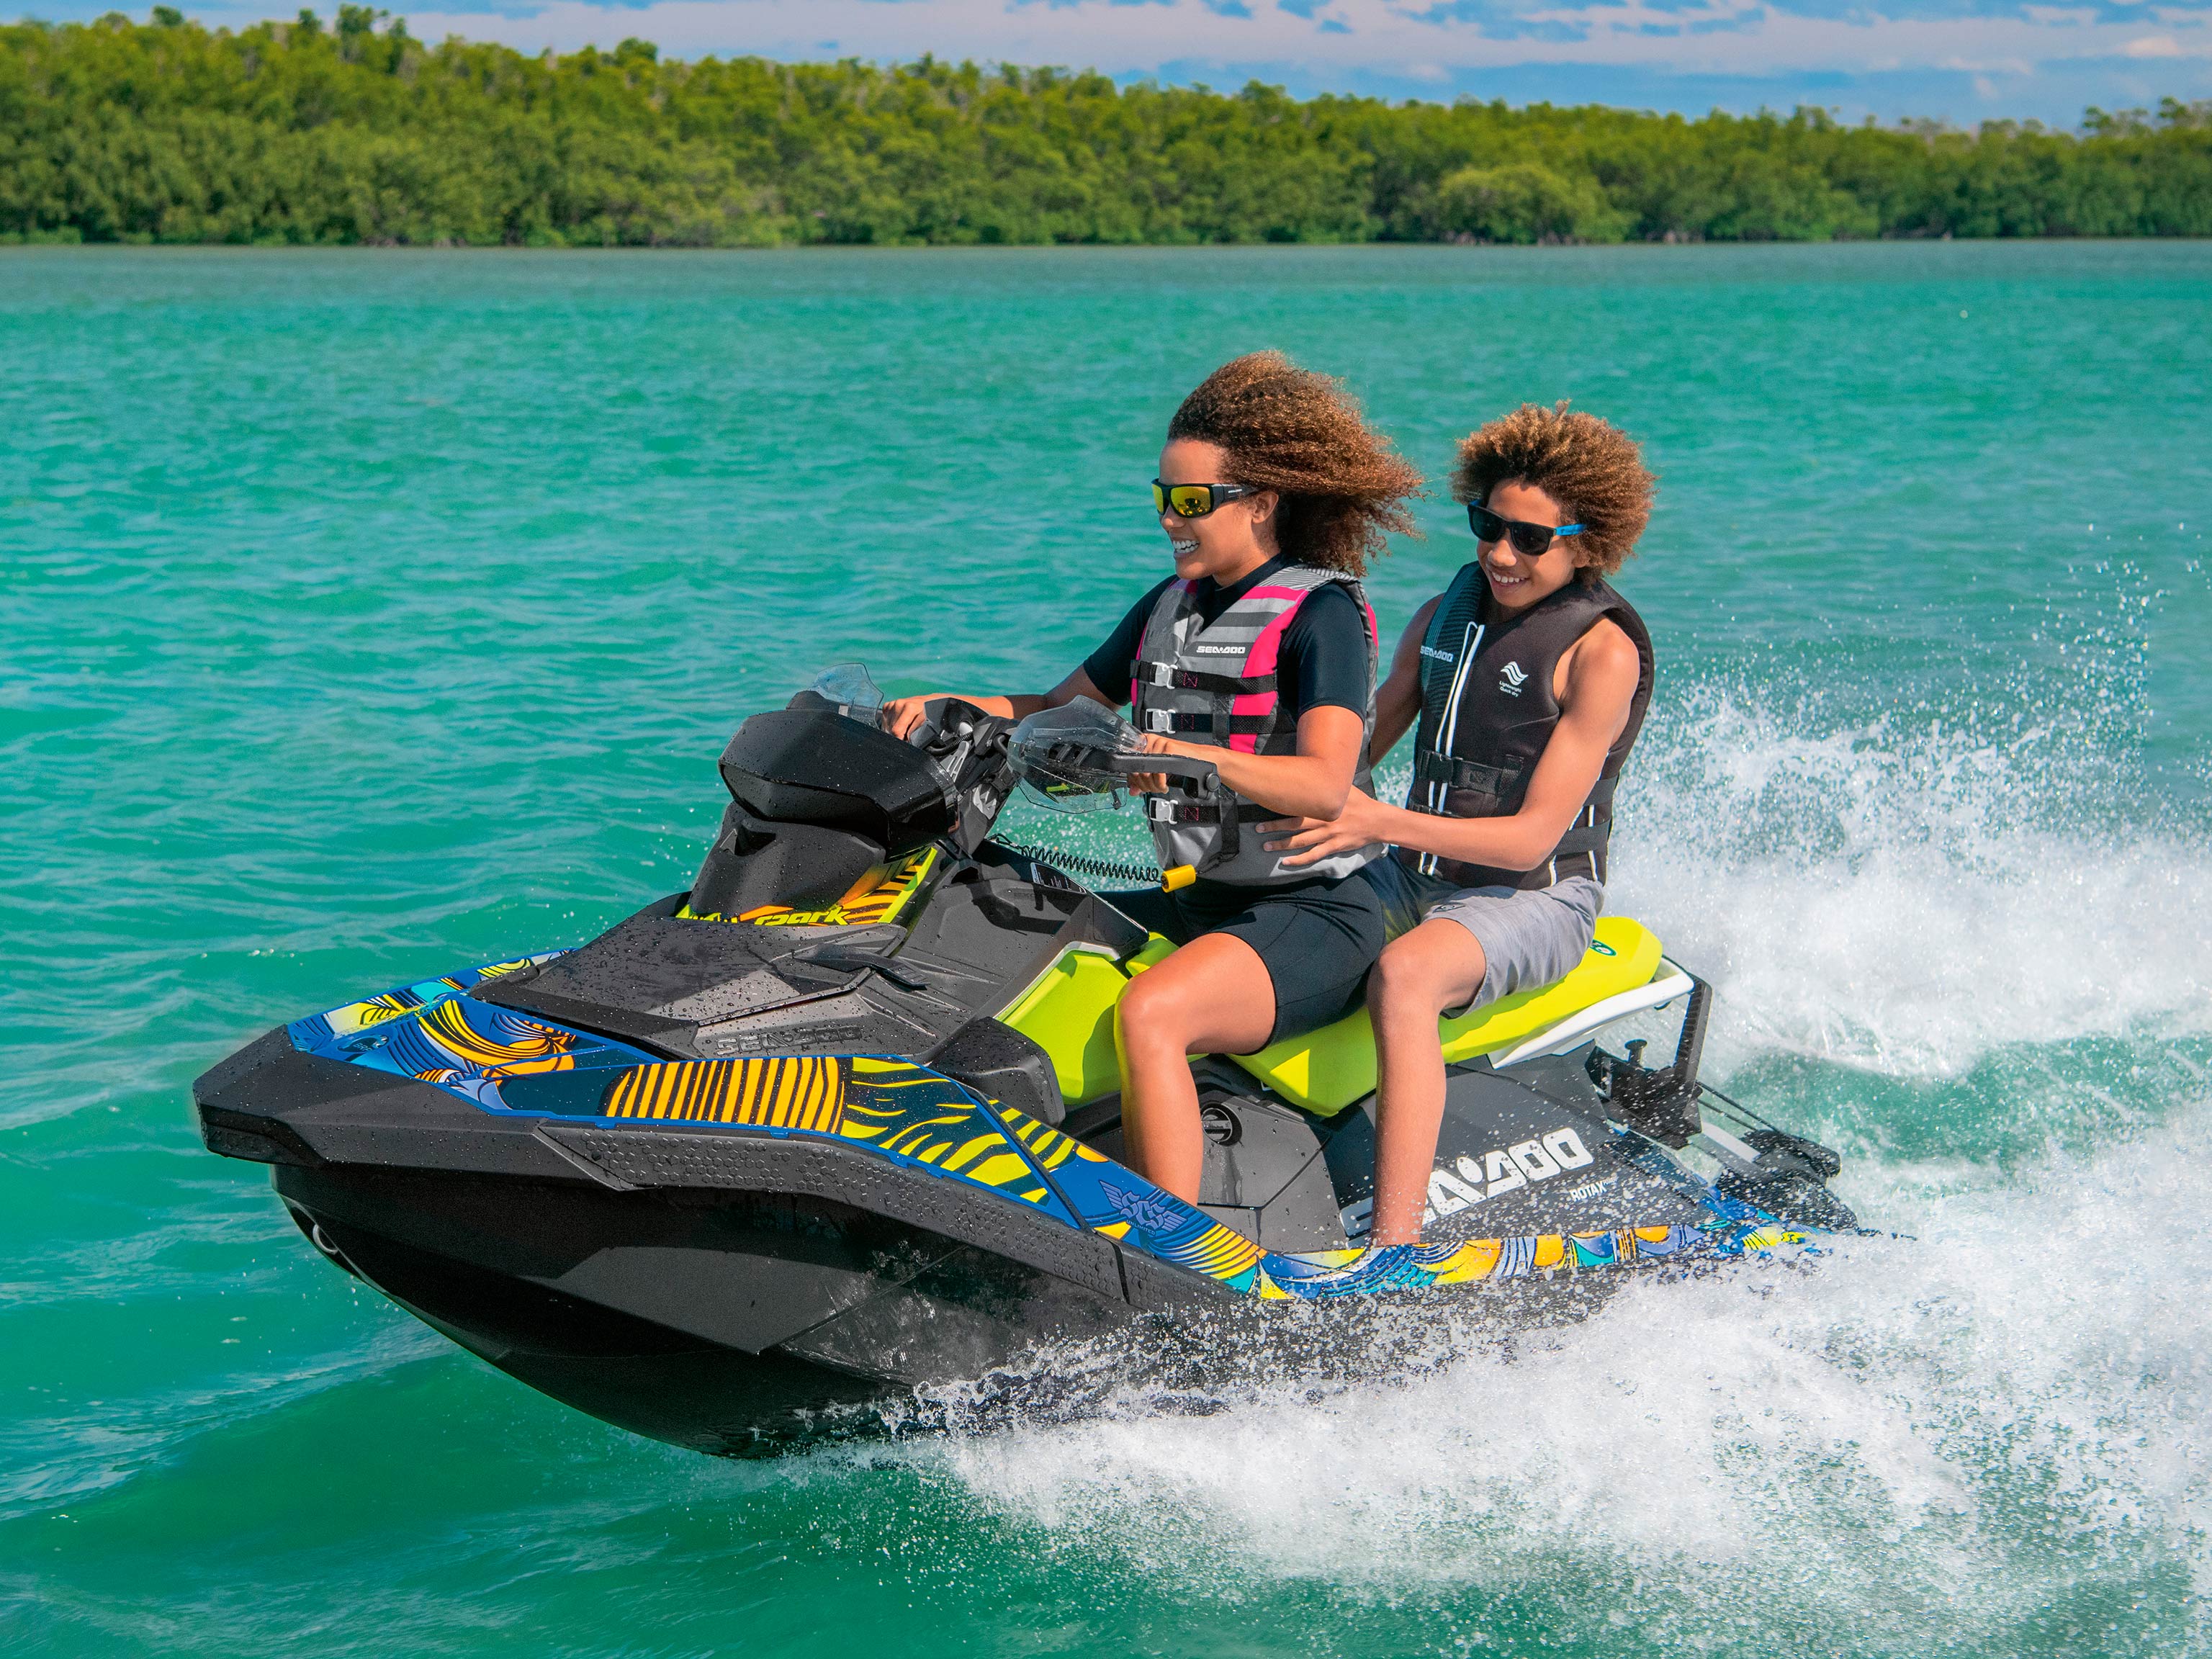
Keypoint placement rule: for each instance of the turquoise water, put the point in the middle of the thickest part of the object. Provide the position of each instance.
(365, 613)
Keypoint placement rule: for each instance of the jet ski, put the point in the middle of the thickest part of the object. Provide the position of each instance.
(841, 1122)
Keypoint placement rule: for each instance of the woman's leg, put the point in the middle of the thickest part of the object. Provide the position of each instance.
(1438, 965)
(1212, 997)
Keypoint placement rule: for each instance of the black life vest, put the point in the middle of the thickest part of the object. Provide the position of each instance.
(1487, 712)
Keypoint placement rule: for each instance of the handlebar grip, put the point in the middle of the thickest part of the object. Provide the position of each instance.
(939, 717)
(1171, 766)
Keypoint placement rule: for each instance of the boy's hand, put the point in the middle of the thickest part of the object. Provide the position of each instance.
(1364, 822)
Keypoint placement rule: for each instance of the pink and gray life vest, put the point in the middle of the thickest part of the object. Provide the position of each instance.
(1487, 712)
(1216, 684)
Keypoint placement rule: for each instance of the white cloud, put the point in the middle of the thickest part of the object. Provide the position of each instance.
(1389, 37)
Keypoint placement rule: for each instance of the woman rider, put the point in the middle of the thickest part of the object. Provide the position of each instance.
(1529, 677)
(1259, 654)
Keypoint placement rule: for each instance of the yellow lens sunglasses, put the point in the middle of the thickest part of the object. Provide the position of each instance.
(1195, 501)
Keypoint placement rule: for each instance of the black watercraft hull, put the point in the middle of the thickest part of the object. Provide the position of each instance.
(842, 1123)
(722, 1290)
(734, 1326)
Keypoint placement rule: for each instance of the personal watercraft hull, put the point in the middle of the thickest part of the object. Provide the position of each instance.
(842, 1122)
(732, 1287)
(733, 1326)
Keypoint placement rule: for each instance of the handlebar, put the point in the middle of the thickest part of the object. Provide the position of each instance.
(938, 730)
(1171, 766)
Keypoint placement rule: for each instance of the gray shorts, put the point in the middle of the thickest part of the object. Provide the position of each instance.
(1529, 936)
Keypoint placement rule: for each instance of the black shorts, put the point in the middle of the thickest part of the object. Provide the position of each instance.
(1317, 938)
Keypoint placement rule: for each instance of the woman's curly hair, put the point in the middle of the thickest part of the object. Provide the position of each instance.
(1299, 434)
(1591, 469)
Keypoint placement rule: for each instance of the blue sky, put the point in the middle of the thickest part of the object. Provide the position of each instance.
(1957, 60)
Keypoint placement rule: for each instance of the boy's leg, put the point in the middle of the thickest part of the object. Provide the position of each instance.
(1438, 965)
(1483, 943)
(1212, 997)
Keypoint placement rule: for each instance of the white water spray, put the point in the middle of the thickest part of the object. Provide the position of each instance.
(1929, 1440)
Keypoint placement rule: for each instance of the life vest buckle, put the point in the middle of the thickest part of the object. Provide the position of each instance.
(1160, 810)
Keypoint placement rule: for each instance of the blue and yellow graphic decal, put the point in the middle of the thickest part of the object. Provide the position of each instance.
(1121, 1204)
(505, 1061)
(905, 1112)
(800, 1093)
(432, 1032)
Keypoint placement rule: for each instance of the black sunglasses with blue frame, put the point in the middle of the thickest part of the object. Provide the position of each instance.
(1529, 540)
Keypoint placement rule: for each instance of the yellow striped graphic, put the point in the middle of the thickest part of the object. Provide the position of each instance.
(860, 1097)
(1220, 1252)
(1052, 1148)
(800, 1093)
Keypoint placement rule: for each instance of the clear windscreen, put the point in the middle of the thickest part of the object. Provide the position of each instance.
(852, 691)
(1061, 754)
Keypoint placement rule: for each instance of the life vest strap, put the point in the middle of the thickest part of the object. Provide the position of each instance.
(1161, 809)
(1162, 719)
(1580, 852)
(1430, 766)
(1582, 839)
(1191, 679)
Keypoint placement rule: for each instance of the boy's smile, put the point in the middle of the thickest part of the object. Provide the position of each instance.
(1503, 583)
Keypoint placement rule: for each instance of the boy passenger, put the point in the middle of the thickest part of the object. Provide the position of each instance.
(1530, 677)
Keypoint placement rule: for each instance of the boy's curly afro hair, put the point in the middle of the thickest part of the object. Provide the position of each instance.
(1299, 434)
(1592, 468)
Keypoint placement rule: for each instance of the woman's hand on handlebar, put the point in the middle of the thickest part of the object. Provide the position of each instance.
(1156, 783)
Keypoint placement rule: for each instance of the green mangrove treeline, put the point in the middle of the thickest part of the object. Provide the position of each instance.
(353, 131)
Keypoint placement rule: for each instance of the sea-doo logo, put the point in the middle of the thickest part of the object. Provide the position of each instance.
(1430, 651)
(1469, 1180)
(1509, 681)
(1219, 650)
(1154, 1214)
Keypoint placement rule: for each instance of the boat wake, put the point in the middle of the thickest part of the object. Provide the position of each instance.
(1934, 1434)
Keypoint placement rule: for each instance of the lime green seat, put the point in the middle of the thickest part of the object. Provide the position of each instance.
(1068, 1012)
(1325, 1071)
